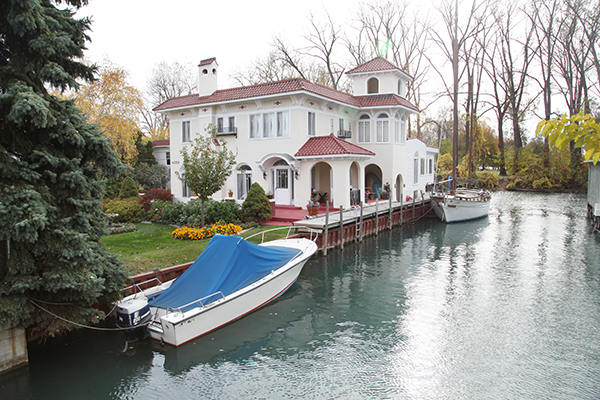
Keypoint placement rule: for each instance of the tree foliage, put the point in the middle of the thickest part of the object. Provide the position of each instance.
(580, 128)
(207, 164)
(114, 105)
(52, 166)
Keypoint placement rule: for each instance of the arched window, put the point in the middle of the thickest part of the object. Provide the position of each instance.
(383, 128)
(403, 129)
(244, 181)
(416, 167)
(364, 129)
(397, 128)
(373, 85)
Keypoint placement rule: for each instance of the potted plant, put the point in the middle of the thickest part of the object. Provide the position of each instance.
(385, 192)
(313, 207)
(230, 193)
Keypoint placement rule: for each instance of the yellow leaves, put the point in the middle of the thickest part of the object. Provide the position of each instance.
(580, 128)
(114, 105)
(206, 232)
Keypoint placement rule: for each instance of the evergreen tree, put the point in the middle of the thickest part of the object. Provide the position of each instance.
(257, 206)
(52, 167)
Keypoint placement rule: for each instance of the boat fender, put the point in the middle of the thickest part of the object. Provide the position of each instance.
(408, 198)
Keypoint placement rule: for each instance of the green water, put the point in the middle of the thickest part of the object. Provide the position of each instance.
(507, 307)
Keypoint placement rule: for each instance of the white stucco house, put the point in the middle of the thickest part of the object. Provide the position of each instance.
(301, 140)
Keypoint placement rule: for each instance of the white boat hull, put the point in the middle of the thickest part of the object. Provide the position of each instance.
(451, 208)
(176, 327)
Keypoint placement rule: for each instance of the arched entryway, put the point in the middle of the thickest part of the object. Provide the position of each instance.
(373, 182)
(355, 196)
(399, 187)
(320, 181)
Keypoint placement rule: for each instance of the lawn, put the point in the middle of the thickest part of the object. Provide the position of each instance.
(152, 246)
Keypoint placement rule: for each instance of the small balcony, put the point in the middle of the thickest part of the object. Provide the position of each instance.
(344, 134)
(226, 131)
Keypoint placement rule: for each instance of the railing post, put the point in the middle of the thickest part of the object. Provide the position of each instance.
(325, 239)
(390, 213)
(342, 226)
(401, 209)
(361, 221)
(377, 217)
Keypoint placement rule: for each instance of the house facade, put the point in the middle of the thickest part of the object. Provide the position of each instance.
(300, 140)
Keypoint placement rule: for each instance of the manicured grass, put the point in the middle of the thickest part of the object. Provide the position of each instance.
(153, 247)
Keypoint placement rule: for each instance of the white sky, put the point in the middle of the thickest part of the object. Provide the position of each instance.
(138, 34)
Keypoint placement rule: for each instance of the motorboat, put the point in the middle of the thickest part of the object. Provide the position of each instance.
(231, 278)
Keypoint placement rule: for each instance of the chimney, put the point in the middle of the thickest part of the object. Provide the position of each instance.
(207, 76)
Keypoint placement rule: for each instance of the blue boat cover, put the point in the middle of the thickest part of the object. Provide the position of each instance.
(226, 265)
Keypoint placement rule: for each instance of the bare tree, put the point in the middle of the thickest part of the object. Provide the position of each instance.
(269, 68)
(167, 81)
(516, 56)
(388, 30)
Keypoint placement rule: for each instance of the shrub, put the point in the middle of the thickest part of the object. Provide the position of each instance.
(129, 210)
(227, 211)
(256, 207)
(129, 189)
(221, 228)
(151, 176)
(542, 183)
(150, 196)
(487, 179)
(125, 228)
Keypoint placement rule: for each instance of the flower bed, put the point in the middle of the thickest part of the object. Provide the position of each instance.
(206, 232)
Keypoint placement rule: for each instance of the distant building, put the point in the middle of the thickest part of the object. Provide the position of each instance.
(162, 153)
(301, 140)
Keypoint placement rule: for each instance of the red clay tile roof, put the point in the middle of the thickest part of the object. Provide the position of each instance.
(376, 64)
(160, 142)
(330, 145)
(263, 89)
(382, 100)
(208, 61)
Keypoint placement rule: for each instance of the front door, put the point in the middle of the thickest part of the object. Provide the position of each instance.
(282, 185)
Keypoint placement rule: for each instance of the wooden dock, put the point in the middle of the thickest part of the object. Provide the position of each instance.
(352, 225)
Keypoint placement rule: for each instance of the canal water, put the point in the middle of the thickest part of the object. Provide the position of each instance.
(507, 307)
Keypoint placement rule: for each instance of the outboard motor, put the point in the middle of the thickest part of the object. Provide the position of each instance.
(133, 317)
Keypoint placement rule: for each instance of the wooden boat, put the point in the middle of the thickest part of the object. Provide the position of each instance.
(230, 279)
(462, 205)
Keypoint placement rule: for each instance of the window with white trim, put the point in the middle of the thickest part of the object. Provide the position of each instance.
(430, 171)
(403, 129)
(364, 129)
(416, 168)
(422, 166)
(396, 130)
(244, 181)
(312, 128)
(185, 131)
(270, 125)
(383, 129)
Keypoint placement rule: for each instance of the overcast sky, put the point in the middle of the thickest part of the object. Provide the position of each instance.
(138, 34)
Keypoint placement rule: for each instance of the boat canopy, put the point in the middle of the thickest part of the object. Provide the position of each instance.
(227, 264)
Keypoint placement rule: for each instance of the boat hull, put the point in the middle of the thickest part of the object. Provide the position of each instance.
(450, 209)
(177, 328)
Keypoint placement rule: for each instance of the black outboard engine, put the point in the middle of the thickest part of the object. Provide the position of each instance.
(133, 317)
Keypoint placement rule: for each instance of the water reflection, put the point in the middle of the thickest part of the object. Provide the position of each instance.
(503, 307)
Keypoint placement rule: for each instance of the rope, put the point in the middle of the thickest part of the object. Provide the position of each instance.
(81, 325)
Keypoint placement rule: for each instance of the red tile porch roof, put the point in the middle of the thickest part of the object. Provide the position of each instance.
(330, 145)
(160, 142)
